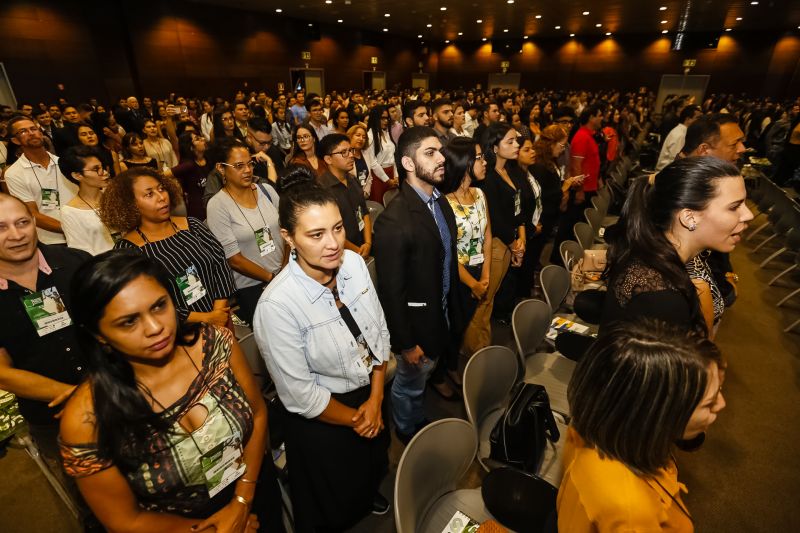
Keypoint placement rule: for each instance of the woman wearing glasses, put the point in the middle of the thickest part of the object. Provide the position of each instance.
(245, 221)
(80, 219)
(137, 203)
(380, 154)
(305, 150)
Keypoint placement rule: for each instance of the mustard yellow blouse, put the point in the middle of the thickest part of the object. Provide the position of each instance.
(603, 495)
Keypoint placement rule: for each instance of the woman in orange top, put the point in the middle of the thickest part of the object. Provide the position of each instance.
(642, 390)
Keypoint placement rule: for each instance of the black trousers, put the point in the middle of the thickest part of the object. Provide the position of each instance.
(247, 299)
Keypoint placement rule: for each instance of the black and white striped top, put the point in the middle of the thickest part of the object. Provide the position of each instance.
(196, 247)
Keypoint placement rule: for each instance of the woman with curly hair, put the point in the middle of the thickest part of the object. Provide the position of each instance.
(137, 203)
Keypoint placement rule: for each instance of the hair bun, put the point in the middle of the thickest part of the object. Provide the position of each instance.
(297, 178)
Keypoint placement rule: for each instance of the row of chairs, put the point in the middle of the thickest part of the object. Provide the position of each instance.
(782, 214)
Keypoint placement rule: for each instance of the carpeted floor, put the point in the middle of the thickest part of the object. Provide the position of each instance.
(746, 478)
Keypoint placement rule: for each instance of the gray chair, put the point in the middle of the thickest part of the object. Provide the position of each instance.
(530, 322)
(488, 378)
(425, 488)
(375, 209)
(571, 252)
(595, 220)
(254, 359)
(584, 234)
(556, 283)
(389, 195)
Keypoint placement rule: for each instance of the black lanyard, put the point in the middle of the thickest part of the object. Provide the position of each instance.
(258, 208)
(144, 237)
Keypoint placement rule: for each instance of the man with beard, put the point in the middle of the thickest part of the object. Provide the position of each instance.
(442, 119)
(415, 113)
(40, 359)
(415, 257)
(36, 180)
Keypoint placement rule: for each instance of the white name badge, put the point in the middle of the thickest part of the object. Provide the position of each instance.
(517, 203)
(266, 244)
(360, 218)
(191, 286)
(47, 311)
(476, 259)
(50, 199)
(364, 360)
(223, 464)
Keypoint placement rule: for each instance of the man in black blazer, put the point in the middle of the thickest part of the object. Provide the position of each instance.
(415, 257)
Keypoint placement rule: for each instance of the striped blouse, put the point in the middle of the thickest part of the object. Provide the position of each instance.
(196, 248)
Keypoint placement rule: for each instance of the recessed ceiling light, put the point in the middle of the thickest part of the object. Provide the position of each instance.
(585, 13)
(664, 31)
(328, 1)
(505, 30)
(430, 25)
(340, 21)
(279, 10)
(663, 22)
(484, 39)
(447, 42)
(727, 29)
(598, 25)
(525, 37)
(538, 16)
(509, 1)
(753, 3)
(558, 27)
(608, 34)
(572, 35)
(419, 36)
(387, 14)
(385, 29)
(662, 8)
(479, 21)
(460, 33)
(442, 8)
(310, 24)
(738, 18)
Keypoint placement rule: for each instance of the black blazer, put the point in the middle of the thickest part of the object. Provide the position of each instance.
(408, 255)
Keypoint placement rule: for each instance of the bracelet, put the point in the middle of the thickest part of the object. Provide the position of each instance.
(241, 499)
(243, 480)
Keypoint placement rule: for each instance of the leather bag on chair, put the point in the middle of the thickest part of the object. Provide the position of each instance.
(520, 436)
(588, 270)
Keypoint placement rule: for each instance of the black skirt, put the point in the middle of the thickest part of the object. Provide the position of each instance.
(333, 473)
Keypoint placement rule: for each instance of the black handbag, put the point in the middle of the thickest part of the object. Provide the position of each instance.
(519, 437)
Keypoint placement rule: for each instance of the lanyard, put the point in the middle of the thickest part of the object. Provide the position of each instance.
(144, 237)
(258, 208)
(36, 176)
(674, 500)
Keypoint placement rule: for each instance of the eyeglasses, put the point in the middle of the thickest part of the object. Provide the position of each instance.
(302, 138)
(344, 153)
(28, 131)
(261, 143)
(241, 166)
(100, 171)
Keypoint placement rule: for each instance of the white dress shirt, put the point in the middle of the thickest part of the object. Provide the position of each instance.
(672, 146)
(384, 158)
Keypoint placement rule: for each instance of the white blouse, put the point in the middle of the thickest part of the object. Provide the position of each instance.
(162, 152)
(385, 157)
(84, 230)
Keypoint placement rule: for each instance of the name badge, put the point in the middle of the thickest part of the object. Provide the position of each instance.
(264, 241)
(50, 199)
(47, 311)
(222, 465)
(517, 203)
(360, 218)
(191, 286)
(364, 360)
(475, 258)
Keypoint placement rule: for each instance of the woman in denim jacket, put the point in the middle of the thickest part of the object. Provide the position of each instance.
(323, 335)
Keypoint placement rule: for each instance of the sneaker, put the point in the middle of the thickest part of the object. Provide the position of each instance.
(380, 505)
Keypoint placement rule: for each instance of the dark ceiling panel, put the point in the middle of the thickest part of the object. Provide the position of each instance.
(410, 18)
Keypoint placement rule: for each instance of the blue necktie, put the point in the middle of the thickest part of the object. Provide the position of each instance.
(444, 233)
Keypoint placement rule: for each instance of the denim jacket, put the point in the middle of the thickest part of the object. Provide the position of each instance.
(307, 346)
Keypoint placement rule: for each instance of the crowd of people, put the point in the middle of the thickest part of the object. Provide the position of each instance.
(133, 237)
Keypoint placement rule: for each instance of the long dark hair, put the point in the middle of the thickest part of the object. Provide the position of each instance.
(649, 213)
(491, 138)
(374, 125)
(459, 160)
(122, 412)
(633, 393)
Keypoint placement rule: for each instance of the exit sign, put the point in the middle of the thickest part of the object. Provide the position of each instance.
(374, 60)
(688, 63)
(306, 56)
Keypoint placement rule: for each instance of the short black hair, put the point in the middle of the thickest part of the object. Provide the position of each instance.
(259, 124)
(703, 130)
(409, 142)
(439, 103)
(331, 141)
(74, 158)
(410, 107)
(590, 112)
(688, 112)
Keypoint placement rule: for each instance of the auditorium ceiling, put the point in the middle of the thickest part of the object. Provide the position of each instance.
(439, 20)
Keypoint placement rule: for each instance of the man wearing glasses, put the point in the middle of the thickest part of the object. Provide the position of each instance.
(36, 180)
(349, 195)
(316, 118)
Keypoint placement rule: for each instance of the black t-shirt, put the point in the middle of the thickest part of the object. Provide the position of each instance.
(56, 355)
(192, 178)
(350, 200)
